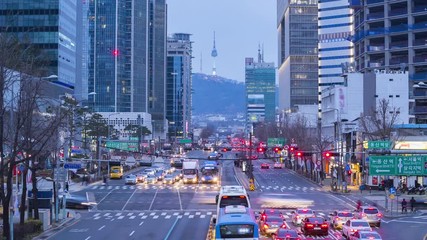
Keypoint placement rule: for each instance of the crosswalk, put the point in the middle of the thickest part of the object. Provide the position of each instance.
(155, 187)
(291, 188)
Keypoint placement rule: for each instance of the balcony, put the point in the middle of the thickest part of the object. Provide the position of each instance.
(376, 48)
(419, 9)
(420, 58)
(420, 42)
(373, 16)
(398, 44)
(397, 12)
(421, 25)
(398, 60)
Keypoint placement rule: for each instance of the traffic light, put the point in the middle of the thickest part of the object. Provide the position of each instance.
(293, 149)
(328, 154)
(299, 154)
(260, 149)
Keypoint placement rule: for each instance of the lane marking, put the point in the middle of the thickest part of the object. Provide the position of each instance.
(342, 200)
(179, 198)
(404, 221)
(141, 223)
(128, 200)
(152, 202)
(131, 233)
(101, 228)
(87, 238)
(105, 196)
(171, 229)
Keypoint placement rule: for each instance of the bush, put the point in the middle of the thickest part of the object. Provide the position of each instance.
(30, 228)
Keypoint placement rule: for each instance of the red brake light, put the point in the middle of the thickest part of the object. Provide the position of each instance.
(242, 196)
(224, 196)
(284, 226)
(288, 236)
(324, 225)
(305, 210)
(309, 225)
(379, 215)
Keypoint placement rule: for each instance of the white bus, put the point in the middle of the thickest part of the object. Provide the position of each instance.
(232, 195)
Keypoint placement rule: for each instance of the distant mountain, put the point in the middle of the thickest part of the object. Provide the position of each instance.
(214, 95)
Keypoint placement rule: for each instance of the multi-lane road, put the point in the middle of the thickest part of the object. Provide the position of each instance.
(181, 211)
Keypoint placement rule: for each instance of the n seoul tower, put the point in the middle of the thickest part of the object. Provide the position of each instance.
(214, 53)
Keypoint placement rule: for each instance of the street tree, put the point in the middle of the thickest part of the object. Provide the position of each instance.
(26, 130)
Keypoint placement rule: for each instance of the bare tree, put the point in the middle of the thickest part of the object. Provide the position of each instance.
(25, 131)
(378, 124)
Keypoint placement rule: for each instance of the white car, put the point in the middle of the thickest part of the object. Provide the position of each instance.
(150, 171)
(366, 235)
(355, 225)
(300, 214)
(131, 179)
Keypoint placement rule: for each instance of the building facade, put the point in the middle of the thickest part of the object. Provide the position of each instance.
(179, 85)
(260, 80)
(297, 29)
(127, 58)
(49, 26)
(391, 35)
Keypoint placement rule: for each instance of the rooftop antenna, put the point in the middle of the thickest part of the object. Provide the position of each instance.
(214, 54)
(259, 53)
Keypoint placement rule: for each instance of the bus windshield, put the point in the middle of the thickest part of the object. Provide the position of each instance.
(209, 171)
(237, 231)
(233, 200)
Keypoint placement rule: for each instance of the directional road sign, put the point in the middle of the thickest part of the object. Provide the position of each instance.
(398, 165)
(72, 166)
(379, 145)
(392, 190)
(272, 142)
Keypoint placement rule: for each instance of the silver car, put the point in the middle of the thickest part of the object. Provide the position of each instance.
(131, 179)
(151, 179)
(371, 214)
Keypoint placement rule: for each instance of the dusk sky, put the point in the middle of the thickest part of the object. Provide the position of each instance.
(240, 25)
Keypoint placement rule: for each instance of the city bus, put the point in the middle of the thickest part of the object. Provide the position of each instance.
(209, 172)
(236, 222)
(232, 195)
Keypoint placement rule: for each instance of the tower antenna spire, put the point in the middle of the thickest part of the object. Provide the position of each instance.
(214, 54)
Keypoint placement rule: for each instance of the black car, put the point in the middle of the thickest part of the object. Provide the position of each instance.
(315, 226)
(77, 202)
(285, 234)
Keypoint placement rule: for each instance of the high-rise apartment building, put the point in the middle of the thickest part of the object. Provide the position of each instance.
(179, 85)
(49, 26)
(392, 35)
(298, 55)
(260, 80)
(127, 65)
(335, 47)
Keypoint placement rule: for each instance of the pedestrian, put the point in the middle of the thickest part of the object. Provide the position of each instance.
(67, 186)
(412, 202)
(404, 206)
(359, 204)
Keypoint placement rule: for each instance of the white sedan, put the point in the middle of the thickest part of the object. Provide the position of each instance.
(300, 214)
(355, 225)
(131, 179)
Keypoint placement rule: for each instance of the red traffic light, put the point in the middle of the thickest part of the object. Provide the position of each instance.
(327, 154)
(299, 154)
(260, 149)
(277, 149)
(291, 149)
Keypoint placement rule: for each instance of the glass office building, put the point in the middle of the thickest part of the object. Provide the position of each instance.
(49, 25)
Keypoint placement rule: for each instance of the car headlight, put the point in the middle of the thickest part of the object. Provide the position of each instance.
(194, 179)
(203, 179)
(215, 178)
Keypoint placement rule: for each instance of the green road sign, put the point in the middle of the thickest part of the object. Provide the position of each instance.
(398, 165)
(127, 146)
(271, 142)
(379, 145)
(184, 140)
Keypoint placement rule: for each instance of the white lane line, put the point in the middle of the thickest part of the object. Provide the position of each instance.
(179, 198)
(152, 202)
(141, 223)
(341, 200)
(403, 221)
(131, 233)
(105, 196)
(101, 228)
(87, 238)
(171, 229)
(128, 200)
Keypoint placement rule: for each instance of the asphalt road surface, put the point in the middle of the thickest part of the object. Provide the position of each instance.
(183, 211)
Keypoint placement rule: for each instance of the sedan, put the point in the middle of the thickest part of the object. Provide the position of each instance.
(151, 179)
(131, 179)
(271, 224)
(366, 235)
(301, 214)
(285, 234)
(77, 202)
(140, 177)
(354, 225)
(169, 179)
(339, 218)
(278, 165)
(265, 165)
(315, 226)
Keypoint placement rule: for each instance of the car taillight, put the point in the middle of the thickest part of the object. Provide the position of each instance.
(284, 226)
(353, 230)
(324, 225)
(379, 215)
(309, 225)
(297, 216)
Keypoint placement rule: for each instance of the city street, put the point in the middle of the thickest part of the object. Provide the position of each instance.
(156, 211)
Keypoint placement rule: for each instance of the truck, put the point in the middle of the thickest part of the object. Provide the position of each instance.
(190, 171)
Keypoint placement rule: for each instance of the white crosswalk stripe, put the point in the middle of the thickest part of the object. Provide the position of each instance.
(155, 187)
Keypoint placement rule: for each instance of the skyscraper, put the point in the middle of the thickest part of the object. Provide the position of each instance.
(390, 36)
(260, 79)
(179, 85)
(298, 59)
(49, 26)
(127, 58)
